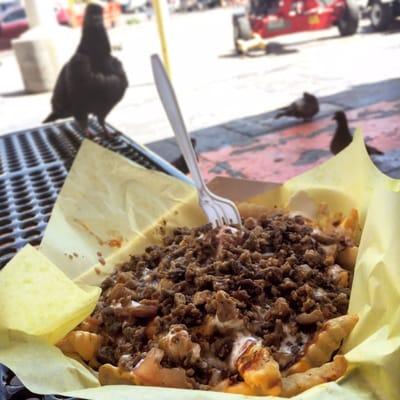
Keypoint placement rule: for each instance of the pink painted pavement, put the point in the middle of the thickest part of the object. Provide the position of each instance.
(280, 155)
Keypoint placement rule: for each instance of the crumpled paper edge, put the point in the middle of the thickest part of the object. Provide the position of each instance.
(327, 391)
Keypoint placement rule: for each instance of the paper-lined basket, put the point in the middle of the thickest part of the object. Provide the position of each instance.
(110, 208)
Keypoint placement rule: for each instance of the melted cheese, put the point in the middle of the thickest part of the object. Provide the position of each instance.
(240, 345)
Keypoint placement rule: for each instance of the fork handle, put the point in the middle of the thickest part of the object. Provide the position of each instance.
(171, 107)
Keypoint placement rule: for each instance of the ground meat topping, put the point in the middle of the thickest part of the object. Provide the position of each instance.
(276, 280)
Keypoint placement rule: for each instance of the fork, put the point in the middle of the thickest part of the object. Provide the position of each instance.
(219, 211)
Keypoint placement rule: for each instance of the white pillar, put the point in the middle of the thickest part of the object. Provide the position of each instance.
(35, 50)
(40, 13)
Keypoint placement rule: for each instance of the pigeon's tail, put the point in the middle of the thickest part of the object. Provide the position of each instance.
(285, 111)
(282, 113)
(53, 116)
(375, 151)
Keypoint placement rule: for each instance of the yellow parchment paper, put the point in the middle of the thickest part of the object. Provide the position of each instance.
(108, 200)
(41, 286)
(110, 207)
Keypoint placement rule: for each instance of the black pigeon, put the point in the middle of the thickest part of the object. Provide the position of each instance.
(343, 137)
(304, 108)
(92, 81)
(180, 162)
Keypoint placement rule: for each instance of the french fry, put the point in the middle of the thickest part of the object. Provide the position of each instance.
(325, 342)
(149, 372)
(110, 375)
(240, 388)
(258, 369)
(298, 383)
(347, 257)
(351, 225)
(85, 344)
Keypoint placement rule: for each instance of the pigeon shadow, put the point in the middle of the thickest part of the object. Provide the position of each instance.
(253, 54)
(277, 49)
(272, 48)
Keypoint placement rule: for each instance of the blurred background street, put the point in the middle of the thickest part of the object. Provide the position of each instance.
(213, 84)
(269, 90)
(229, 99)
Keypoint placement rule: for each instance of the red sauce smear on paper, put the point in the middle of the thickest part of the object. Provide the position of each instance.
(117, 242)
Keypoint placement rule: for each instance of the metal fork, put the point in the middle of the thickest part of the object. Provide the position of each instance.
(219, 211)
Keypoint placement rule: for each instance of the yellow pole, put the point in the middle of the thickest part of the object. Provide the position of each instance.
(71, 12)
(162, 15)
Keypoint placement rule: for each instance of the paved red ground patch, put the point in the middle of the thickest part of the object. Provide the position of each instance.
(281, 155)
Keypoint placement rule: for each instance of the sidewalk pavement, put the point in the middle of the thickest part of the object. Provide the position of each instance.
(231, 95)
(262, 148)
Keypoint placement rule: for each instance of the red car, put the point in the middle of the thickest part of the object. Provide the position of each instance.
(12, 23)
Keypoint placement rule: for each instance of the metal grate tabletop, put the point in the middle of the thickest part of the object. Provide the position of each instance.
(33, 166)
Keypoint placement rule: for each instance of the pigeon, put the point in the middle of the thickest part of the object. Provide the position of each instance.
(180, 162)
(92, 81)
(305, 108)
(343, 137)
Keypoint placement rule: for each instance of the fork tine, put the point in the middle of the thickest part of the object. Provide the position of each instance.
(212, 214)
(224, 210)
(227, 214)
(219, 214)
(231, 215)
(228, 207)
(223, 215)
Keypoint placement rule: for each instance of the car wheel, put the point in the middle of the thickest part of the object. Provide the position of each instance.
(348, 23)
(381, 15)
(241, 30)
(244, 27)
